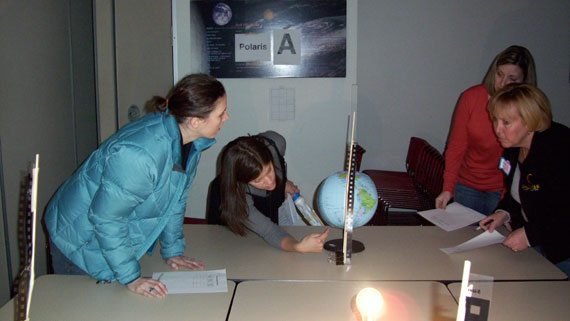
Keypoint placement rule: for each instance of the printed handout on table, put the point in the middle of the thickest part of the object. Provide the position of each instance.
(193, 281)
(454, 217)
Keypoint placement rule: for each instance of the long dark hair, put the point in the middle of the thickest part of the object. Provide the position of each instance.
(193, 96)
(242, 161)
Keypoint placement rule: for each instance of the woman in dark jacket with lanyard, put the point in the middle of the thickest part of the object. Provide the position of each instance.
(251, 190)
(132, 191)
(537, 166)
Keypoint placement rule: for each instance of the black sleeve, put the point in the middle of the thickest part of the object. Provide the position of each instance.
(509, 205)
(213, 207)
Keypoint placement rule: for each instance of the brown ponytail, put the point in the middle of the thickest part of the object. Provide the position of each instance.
(193, 96)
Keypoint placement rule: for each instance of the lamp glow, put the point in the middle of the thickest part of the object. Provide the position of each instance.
(369, 302)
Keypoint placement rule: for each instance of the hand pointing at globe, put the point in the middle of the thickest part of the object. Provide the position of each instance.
(313, 243)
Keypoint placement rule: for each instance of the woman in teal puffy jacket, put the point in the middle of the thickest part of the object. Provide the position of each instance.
(132, 191)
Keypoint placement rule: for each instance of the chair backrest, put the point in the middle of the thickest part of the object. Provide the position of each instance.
(415, 149)
(358, 157)
(429, 175)
(434, 182)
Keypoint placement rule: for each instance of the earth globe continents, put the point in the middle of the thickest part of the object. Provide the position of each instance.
(222, 14)
(331, 198)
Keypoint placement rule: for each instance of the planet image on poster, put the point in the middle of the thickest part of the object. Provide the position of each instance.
(222, 14)
(331, 198)
(268, 14)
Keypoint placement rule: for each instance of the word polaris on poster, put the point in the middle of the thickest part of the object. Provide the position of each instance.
(261, 46)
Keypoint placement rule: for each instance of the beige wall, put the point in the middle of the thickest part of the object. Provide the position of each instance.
(47, 89)
(105, 67)
(4, 274)
(45, 101)
(36, 113)
(135, 36)
(144, 52)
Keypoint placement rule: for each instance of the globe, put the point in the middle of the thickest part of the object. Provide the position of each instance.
(331, 198)
(222, 14)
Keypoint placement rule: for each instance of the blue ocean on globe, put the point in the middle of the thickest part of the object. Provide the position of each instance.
(331, 198)
(222, 14)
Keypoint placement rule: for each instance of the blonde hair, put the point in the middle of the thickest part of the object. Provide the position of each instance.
(531, 103)
(513, 55)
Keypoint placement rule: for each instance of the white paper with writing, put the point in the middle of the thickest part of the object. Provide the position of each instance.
(193, 281)
(455, 216)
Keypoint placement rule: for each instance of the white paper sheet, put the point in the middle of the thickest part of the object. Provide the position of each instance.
(193, 281)
(481, 240)
(454, 217)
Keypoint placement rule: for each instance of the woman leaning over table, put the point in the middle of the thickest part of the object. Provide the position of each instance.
(537, 167)
(471, 175)
(132, 191)
(250, 191)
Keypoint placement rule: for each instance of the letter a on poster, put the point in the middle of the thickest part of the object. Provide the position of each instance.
(287, 47)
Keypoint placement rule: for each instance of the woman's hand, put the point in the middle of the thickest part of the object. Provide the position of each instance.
(176, 262)
(491, 222)
(291, 188)
(442, 200)
(312, 243)
(517, 240)
(148, 287)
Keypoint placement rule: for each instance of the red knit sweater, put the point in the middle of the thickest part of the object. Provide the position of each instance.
(473, 151)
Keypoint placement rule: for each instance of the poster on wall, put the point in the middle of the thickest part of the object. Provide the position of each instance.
(269, 38)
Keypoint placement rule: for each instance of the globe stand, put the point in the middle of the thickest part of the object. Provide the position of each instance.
(336, 246)
(343, 248)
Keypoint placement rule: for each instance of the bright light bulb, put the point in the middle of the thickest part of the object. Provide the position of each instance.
(369, 302)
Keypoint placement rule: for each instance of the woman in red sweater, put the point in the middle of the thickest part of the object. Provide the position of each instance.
(472, 176)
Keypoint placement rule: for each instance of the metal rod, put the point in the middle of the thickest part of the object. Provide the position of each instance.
(349, 199)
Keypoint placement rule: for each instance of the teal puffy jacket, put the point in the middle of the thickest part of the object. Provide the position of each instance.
(130, 192)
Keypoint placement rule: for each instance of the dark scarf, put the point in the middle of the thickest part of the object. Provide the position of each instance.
(270, 203)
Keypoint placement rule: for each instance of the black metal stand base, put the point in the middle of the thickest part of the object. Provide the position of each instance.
(336, 246)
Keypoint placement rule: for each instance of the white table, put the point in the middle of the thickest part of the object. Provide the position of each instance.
(76, 298)
(335, 300)
(527, 301)
(392, 253)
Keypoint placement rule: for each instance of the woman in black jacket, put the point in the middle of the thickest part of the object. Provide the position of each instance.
(536, 162)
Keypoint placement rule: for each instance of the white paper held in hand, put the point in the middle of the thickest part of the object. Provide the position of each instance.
(455, 216)
(484, 239)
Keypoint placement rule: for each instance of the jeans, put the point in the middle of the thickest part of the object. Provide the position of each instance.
(564, 266)
(483, 202)
(61, 264)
